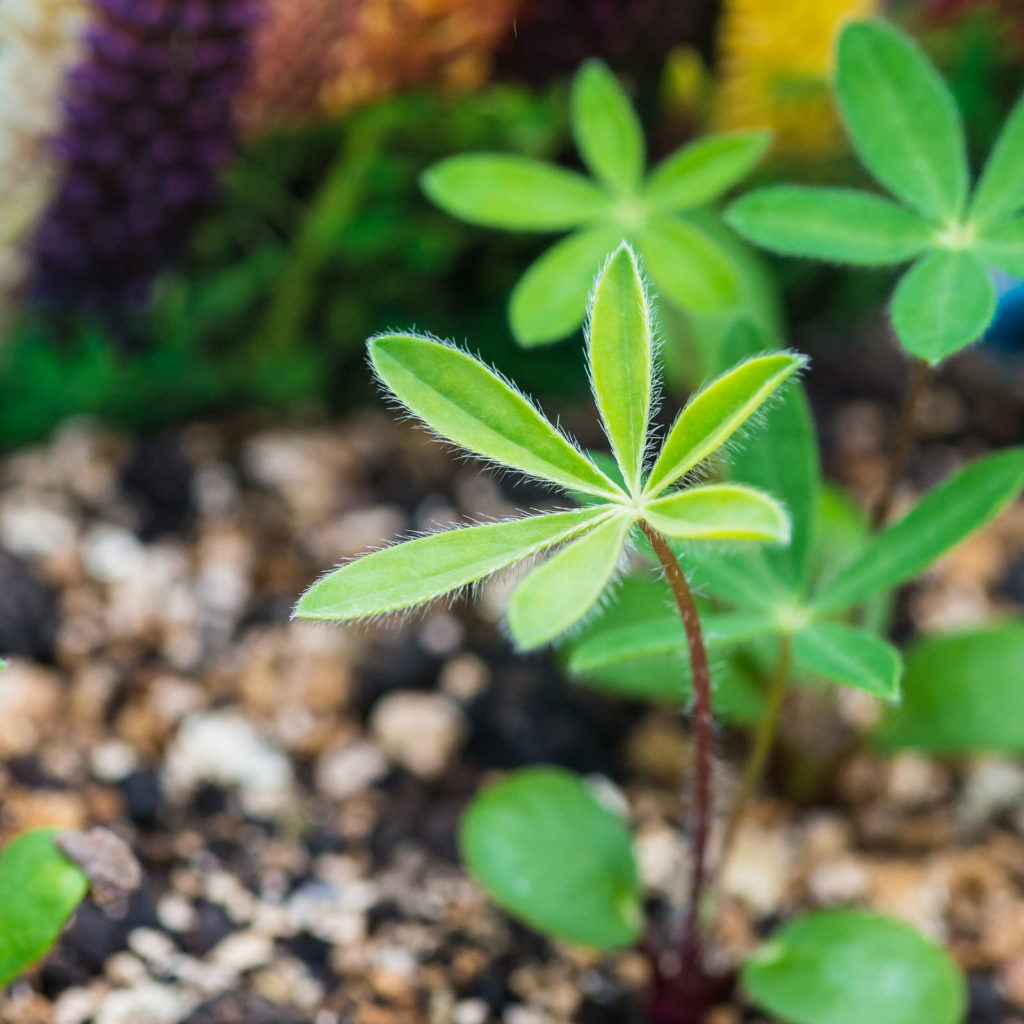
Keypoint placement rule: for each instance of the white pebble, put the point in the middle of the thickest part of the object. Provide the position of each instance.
(223, 748)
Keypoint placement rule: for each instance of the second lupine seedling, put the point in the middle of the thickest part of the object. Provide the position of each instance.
(516, 836)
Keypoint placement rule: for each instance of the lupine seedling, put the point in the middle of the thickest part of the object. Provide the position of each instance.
(40, 888)
(904, 125)
(797, 603)
(689, 267)
(540, 843)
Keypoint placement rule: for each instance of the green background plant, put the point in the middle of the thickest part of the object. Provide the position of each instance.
(904, 125)
(687, 263)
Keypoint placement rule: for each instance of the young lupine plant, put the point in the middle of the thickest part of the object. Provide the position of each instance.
(540, 843)
(687, 263)
(793, 610)
(904, 125)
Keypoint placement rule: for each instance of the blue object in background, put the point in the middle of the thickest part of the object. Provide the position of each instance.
(1006, 335)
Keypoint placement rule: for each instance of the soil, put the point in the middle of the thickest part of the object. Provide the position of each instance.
(292, 789)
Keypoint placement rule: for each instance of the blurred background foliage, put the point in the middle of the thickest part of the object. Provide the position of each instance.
(285, 139)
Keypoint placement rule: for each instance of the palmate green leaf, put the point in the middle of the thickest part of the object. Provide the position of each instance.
(902, 119)
(550, 300)
(559, 593)
(937, 523)
(688, 266)
(467, 403)
(1001, 188)
(39, 891)
(1002, 245)
(837, 224)
(549, 852)
(854, 967)
(851, 656)
(716, 413)
(607, 131)
(780, 457)
(962, 694)
(496, 190)
(619, 350)
(701, 171)
(662, 633)
(417, 571)
(942, 304)
(720, 512)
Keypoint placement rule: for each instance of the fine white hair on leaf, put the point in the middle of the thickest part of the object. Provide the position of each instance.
(405, 414)
(654, 328)
(401, 614)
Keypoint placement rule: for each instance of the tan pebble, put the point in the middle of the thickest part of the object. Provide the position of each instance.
(843, 880)
(44, 809)
(31, 701)
(345, 770)
(759, 868)
(419, 731)
(464, 677)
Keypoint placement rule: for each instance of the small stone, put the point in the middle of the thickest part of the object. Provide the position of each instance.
(113, 761)
(419, 731)
(242, 951)
(759, 868)
(343, 771)
(661, 859)
(176, 913)
(464, 677)
(111, 553)
(148, 1002)
(844, 880)
(993, 786)
(223, 748)
(107, 860)
(470, 1011)
(30, 702)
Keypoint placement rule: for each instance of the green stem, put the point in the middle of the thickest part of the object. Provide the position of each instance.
(326, 219)
(906, 435)
(761, 748)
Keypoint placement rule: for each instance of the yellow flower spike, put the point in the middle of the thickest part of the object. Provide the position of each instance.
(776, 62)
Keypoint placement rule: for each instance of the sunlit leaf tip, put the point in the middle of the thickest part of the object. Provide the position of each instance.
(470, 405)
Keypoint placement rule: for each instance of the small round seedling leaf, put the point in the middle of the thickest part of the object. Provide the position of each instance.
(854, 967)
(550, 853)
(962, 694)
(942, 304)
(39, 890)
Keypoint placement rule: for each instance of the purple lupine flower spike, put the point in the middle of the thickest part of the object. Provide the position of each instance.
(148, 124)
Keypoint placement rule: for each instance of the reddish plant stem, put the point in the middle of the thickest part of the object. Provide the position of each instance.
(906, 434)
(691, 960)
